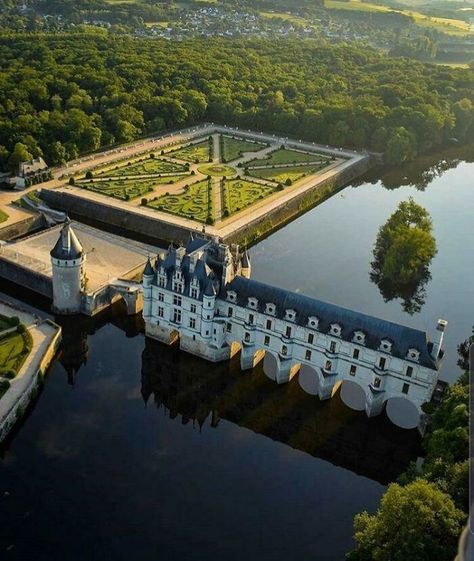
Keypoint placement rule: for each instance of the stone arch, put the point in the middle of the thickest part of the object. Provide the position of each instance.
(402, 412)
(308, 379)
(271, 365)
(353, 395)
(235, 348)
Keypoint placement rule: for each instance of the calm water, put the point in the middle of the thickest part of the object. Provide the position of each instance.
(136, 451)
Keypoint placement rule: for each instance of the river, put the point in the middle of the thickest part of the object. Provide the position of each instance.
(136, 451)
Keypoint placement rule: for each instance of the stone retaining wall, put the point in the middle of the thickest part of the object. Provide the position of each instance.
(27, 278)
(22, 227)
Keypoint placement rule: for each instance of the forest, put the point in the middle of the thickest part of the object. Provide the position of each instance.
(65, 94)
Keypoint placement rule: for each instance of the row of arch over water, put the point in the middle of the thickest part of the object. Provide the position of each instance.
(401, 411)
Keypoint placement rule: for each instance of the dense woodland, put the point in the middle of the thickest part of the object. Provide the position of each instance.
(66, 94)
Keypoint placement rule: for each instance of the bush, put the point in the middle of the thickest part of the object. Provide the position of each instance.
(72, 181)
(4, 385)
(209, 220)
(127, 197)
(288, 182)
(89, 174)
(144, 201)
(152, 156)
(21, 328)
(8, 373)
(226, 213)
(14, 321)
(162, 152)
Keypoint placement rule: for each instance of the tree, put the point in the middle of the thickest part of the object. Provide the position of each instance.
(401, 146)
(58, 153)
(416, 522)
(20, 154)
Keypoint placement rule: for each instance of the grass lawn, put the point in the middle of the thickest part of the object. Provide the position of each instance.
(14, 348)
(143, 166)
(3, 216)
(232, 147)
(127, 189)
(194, 203)
(284, 156)
(280, 175)
(238, 194)
(32, 195)
(196, 153)
(217, 170)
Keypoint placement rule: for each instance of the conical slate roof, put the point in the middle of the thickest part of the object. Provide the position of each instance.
(210, 289)
(67, 246)
(148, 272)
(246, 260)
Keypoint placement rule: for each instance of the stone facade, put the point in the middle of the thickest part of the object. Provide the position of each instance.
(202, 296)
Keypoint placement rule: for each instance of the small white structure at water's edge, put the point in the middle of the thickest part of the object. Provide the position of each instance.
(202, 296)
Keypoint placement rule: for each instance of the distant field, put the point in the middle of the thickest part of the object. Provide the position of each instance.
(450, 26)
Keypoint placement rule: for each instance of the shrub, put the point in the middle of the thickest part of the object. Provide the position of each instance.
(4, 385)
(152, 156)
(162, 152)
(8, 373)
(127, 197)
(72, 181)
(89, 174)
(209, 220)
(226, 213)
(193, 173)
(144, 201)
(288, 182)
(21, 328)
(14, 321)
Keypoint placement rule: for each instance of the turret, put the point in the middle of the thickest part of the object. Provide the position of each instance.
(208, 305)
(246, 267)
(436, 351)
(148, 275)
(67, 260)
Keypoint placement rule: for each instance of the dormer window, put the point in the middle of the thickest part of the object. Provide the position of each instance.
(413, 354)
(386, 346)
(290, 315)
(359, 337)
(270, 309)
(194, 292)
(232, 296)
(336, 329)
(252, 303)
(313, 322)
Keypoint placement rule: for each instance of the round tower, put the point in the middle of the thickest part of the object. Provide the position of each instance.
(67, 259)
(208, 306)
(148, 275)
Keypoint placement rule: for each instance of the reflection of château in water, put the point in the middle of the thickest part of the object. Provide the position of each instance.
(196, 391)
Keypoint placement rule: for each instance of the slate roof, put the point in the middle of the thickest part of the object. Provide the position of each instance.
(403, 338)
(67, 246)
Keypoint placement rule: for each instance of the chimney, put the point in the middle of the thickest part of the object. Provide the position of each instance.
(438, 338)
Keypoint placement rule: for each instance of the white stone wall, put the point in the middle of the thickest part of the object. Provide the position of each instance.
(67, 284)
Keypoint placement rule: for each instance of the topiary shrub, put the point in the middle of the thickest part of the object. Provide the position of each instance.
(288, 182)
(14, 321)
(89, 174)
(21, 328)
(72, 181)
(144, 201)
(152, 156)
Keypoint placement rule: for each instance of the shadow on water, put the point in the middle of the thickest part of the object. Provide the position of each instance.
(202, 394)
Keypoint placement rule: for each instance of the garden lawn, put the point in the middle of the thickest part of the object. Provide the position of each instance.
(14, 348)
(194, 203)
(284, 156)
(232, 147)
(128, 189)
(238, 194)
(196, 153)
(281, 175)
(145, 166)
(3, 216)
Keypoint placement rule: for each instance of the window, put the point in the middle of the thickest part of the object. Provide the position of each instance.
(194, 292)
(251, 319)
(405, 388)
(215, 331)
(178, 286)
(332, 347)
(382, 362)
(311, 338)
(192, 323)
(162, 282)
(353, 370)
(307, 355)
(161, 297)
(269, 324)
(356, 353)
(229, 327)
(230, 312)
(177, 300)
(409, 371)
(266, 341)
(247, 337)
(161, 312)
(328, 365)
(288, 332)
(193, 308)
(176, 316)
(284, 350)
(377, 383)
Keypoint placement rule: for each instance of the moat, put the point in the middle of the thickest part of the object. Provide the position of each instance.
(134, 451)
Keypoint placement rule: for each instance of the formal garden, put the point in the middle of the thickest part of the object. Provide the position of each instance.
(286, 175)
(147, 165)
(127, 189)
(195, 152)
(15, 345)
(195, 202)
(233, 147)
(287, 156)
(238, 194)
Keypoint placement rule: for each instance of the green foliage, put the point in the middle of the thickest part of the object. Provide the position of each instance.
(194, 202)
(86, 90)
(417, 522)
(233, 147)
(20, 154)
(403, 252)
